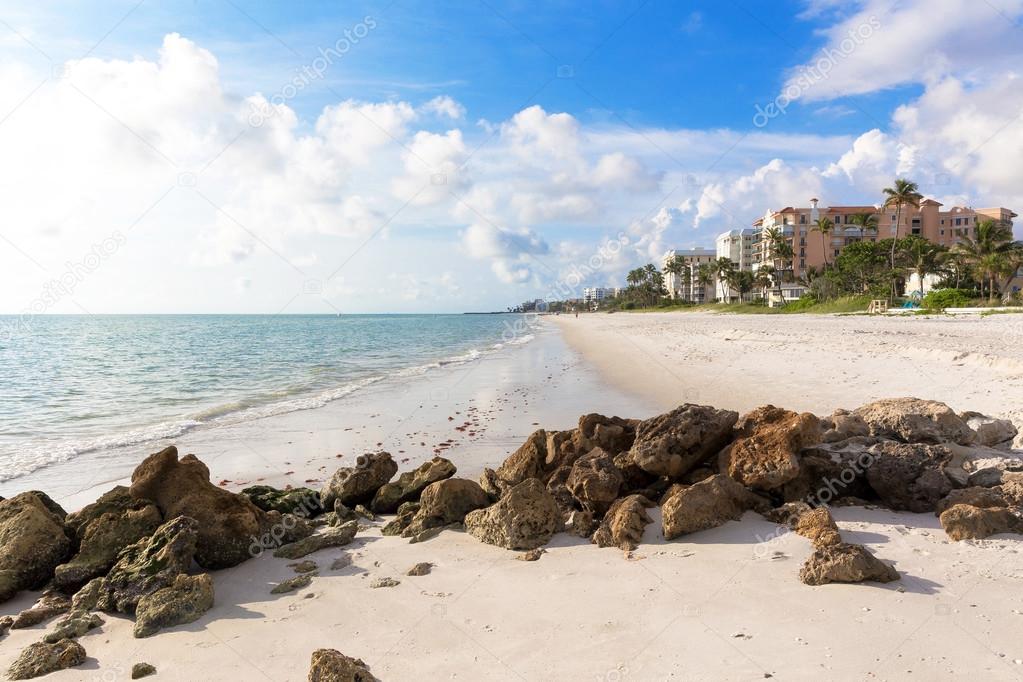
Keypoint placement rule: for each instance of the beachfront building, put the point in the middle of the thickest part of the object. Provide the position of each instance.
(592, 295)
(810, 250)
(687, 286)
(736, 246)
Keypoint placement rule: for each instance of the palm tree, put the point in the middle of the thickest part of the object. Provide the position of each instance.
(763, 279)
(1012, 264)
(985, 251)
(676, 266)
(723, 269)
(780, 250)
(904, 193)
(923, 258)
(825, 227)
(705, 275)
(867, 222)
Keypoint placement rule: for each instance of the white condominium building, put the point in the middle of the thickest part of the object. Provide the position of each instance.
(687, 286)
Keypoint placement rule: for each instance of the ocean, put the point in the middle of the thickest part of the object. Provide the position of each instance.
(80, 383)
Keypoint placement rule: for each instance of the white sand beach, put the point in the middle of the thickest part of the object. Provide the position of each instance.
(723, 604)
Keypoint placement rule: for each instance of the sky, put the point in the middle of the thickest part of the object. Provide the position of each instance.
(233, 156)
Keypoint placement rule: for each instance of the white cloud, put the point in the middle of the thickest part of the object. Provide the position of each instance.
(445, 106)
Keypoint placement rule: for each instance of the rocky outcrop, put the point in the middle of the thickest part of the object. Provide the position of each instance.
(293, 584)
(613, 435)
(41, 659)
(410, 485)
(184, 601)
(525, 518)
(402, 520)
(335, 536)
(445, 502)
(842, 425)
(912, 420)
(34, 542)
(358, 484)
(229, 524)
(594, 481)
(990, 431)
(845, 563)
(967, 522)
(765, 454)
(624, 523)
(818, 526)
(706, 505)
(73, 626)
(330, 665)
(151, 564)
(674, 443)
(47, 607)
(832, 471)
(302, 502)
(102, 537)
(909, 476)
(985, 498)
(972, 464)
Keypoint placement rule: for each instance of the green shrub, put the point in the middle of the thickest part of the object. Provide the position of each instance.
(939, 299)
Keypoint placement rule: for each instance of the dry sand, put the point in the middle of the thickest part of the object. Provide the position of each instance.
(725, 604)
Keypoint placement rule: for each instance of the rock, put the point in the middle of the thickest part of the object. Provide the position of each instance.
(151, 564)
(529, 461)
(445, 502)
(912, 420)
(41, 659)
(304, 566)
(73, 626)
(558, 488)
(103, 537)
(358, 484)
(986, 498)
(229, 525)
(580, 523)
(594, 481)
(330, 665)
(532, 555)
(5, 625)
(990, 430)
(363, 513)
(788, 513)
(845, 563)
(706, 505)
(87, 598)
(292, 584)
(624, 523)
(1012, 491)
(674, 443)
(833, 471)
(406, 513)
(818, 526)
(525, 518)
(33, 540)
(117, 500)
(342, 562)
(330, 537)
(419, 569)
(183, 602)
(765, 455)
(909, 477)
(968, 460)
(384, 582)
(343, 513)
(302, 502)
(140, 670)
(49, 606)
(431, 533)
(966, 522)
(613, 435)
(410, 485)
(842, 425)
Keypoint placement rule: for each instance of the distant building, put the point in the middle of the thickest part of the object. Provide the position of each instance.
(597, 294)
(736, 246)
(687, 287)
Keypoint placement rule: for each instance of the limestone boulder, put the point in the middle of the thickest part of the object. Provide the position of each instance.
(624, 523)
(909, 476)
(818, 526)
(975, 496)
(672, 444)
(410, 485)
(50, 605)
(525, 518)
(402, 520)
(150, 564)
(333, 536)
(991, 431)
(446, 502)
(970, 462)
(832, 471)
(330, 665)
(184, 601)
(595, 481)
(912, 420)
(302, 502)
(842, 425)
(358, 484)
(708, 504)
(845, 563)
(611, 434)
(966, 522)
(41, 659)
(73, 626)
(766, 452)
(33, 542)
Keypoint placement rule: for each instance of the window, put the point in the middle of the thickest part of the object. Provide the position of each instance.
(802, 220)
(959, 221)
(802, 253)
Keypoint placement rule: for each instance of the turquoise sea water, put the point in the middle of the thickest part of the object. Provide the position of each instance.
(75, 384)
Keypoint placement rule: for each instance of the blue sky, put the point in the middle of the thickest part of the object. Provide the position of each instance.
(556, 128)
